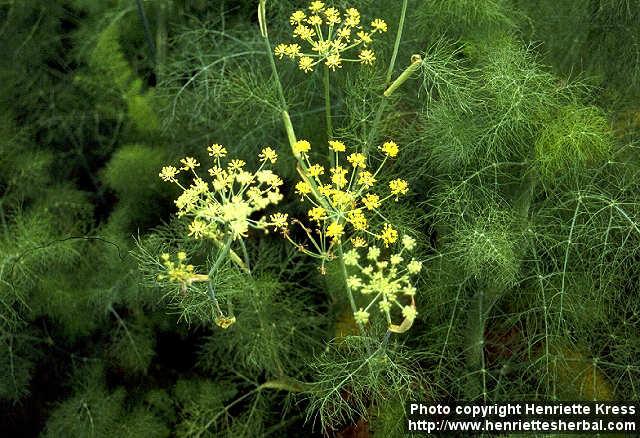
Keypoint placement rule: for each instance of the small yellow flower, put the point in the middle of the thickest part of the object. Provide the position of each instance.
(305, 64)
(344, 33)
(399, 187)
(332, 15)
(373, 253)
(335, 230)
(357, 219)
(409, 290)
(321, 46)
(352, 18)
(361, 316)
(390, 148)
(304, 32)
(325, 190)
(384, 306)
(316, 6)
(351, 257)
(389, 235)
(414, 267)
(280, 50)
(354, 282)
(317, 213)
(408, 242)
(189, 163)
(338, 176)
(366, 179)
(367, 57)
(301, 147)
(371, 201)
(303, 188)
(292, 50)
(297, 17)
(197, 229)
(268, 154)
(224, 322)
(395, 259)
(334, 61)
(357, 160)
(217, 151)
(236, 165)
(379, 25)
(279, 220)
(409, 312)
(315, 20)
(337, 146)
(341, 199)
(168, 173)
(358, 242)
(338, 45)
(365, 37)
(316, 170)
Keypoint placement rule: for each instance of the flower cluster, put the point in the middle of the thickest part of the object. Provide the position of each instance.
(385, 281)
(343, 198)
(178, 271)
(224, 206)
(330, 34)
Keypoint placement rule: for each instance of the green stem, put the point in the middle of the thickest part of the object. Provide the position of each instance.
(345, 275)
(224, 251)
(416, 61)
(392, 63)
(272, 62)
(161, 36)
(147, 31)
(327, 104)
(283, 385)
(288, 126)
(245, 254)
(126, 330)
(232, 255)
(291, 135)
(396, 45)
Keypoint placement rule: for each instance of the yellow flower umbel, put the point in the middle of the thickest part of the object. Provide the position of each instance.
(179, 272)
(329, 34)
(224, 206)
(342, 199)
(385, 283)
(182, 274)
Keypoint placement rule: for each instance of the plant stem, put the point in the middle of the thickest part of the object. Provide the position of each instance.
(327, 110)
(161, 37)
(392, 63)
(274, 69)
(327, 102)
(396, 45)
(232, 255)
(291, 133)
(224, 251)
(416, 61)
(245, 254)
(352, 301)
(147, 31)
(126, 330)
(288, 126)
(283, 384)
